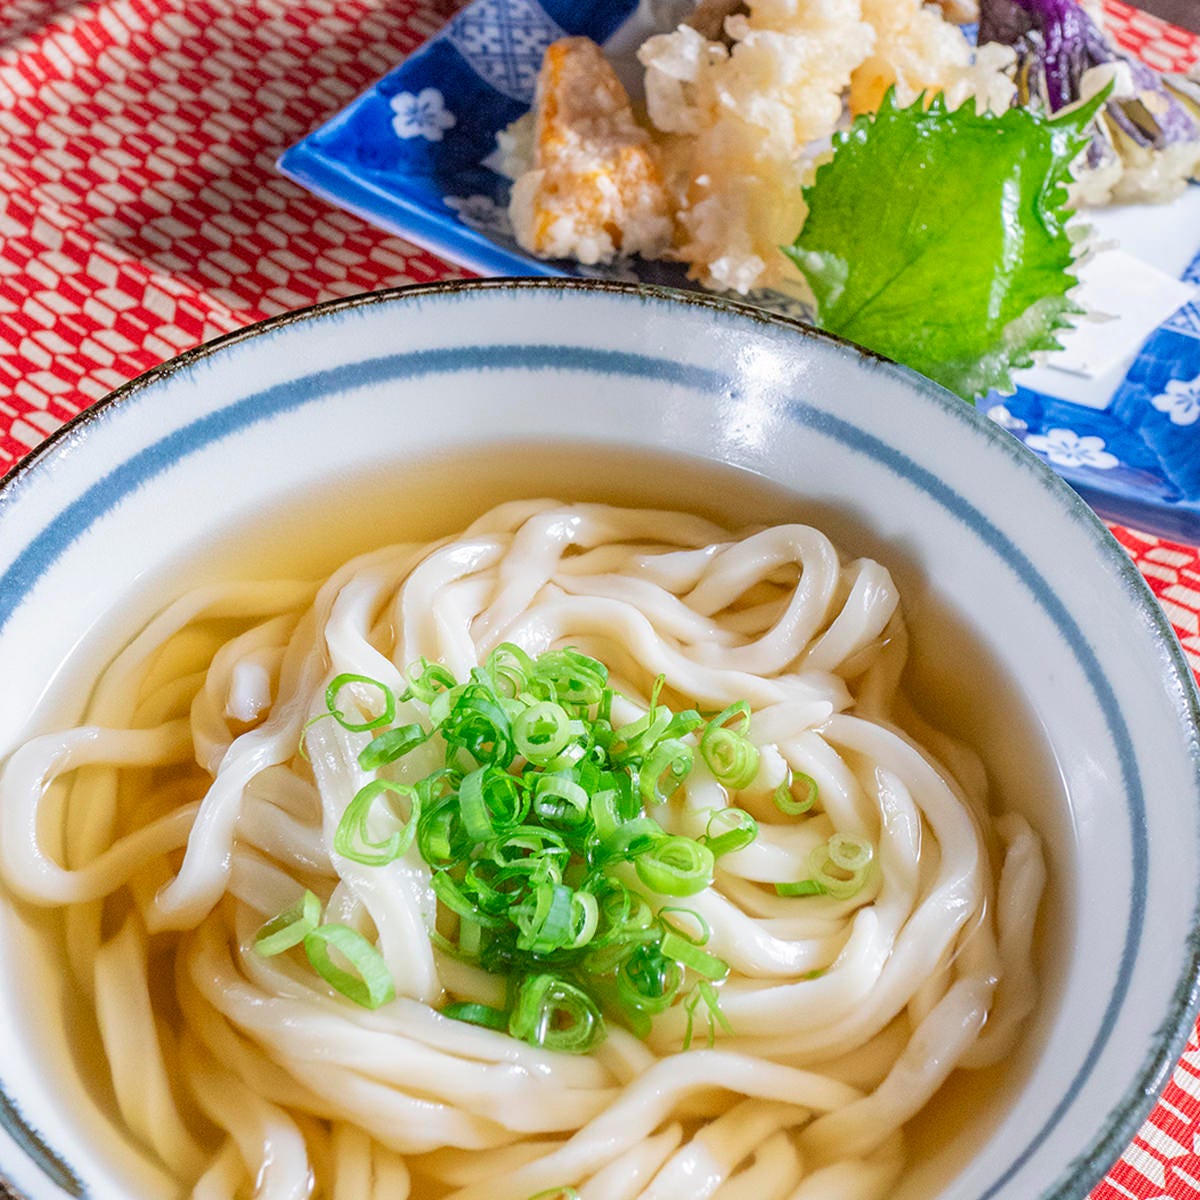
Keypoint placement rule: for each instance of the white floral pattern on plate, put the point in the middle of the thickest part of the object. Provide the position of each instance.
(481, 213)
(424, 115)
(1065, 448)
(1180, 401)
(1006, 420)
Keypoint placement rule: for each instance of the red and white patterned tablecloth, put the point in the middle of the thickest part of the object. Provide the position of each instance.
(140, 214)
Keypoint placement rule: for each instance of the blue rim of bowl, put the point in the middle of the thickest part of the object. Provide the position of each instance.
(1124, 1118)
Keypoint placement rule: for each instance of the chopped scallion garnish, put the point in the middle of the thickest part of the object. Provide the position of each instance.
(385, 716)
(527, 826)
(729, 753)
(706, 992)
(390, 745)
(555, 1014)
(351, 840)
(368, 983)
(796, 795)
(839, 869)
(478, 1014)
(290, 928)
(729, 829)
(675, 866)
(689, 955)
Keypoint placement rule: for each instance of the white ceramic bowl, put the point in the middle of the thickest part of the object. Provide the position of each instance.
(969, 521)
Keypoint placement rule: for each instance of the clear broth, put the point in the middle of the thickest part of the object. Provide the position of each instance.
(951, 678)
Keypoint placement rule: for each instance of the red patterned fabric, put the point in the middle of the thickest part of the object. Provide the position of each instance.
(140, 214)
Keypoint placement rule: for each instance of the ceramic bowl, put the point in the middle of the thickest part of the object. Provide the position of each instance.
(1026, 615)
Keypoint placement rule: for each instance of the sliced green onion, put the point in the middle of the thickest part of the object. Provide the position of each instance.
(556, 1015)
(510, 668)
(346, 680)
(477, 724)
(441, 838)
(786, 799)
(470, 937)
(689, 955)
(839, 869)
(633, 838)
(850, 853)
(351, 840)
(839, 881)
(716, 1016)
(426, 680)
(640, 737)
(542, 731)
(683, 723)
(453, 897)
(704, 932)
(606, 817)
(442, 702)
(547, 846)
(735, 719)
(538, 804)
(649, 980)
(585, 916)
(730, 755)
(559, 798)
(477, 1014)
(546, 925)
(390, 745)
(570, 677)
(712, 1001)
(734, 830)
(290, 928)
(804, 887)
(675, 866)
(368, 983)
(303, 745)
(623, 917)
(667, 767)
(491, 803)
(494, 890)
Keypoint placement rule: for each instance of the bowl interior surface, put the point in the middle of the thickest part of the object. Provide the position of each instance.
(348, 425)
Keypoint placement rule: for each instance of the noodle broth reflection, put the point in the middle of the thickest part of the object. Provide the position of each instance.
(840, 1014)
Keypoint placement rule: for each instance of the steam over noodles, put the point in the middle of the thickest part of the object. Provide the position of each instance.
(182, 816)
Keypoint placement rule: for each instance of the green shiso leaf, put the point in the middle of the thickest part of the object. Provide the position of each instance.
(939, 238)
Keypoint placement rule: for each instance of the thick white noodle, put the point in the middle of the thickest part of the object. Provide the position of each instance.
(180, 814)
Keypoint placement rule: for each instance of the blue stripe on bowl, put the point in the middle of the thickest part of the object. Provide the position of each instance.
(31, 1142)
(48, 546)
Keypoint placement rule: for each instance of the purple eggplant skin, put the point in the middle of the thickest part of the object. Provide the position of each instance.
(1058, 34)
(1056, 42)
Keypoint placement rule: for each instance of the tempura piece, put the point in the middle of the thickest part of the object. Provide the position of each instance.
(1145, 140)
(595, 189)
(752, 111)
(915, 51)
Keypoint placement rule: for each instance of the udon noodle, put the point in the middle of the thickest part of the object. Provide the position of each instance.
(181, 815)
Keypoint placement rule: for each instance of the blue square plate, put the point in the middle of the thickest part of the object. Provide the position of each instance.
(412, 155)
